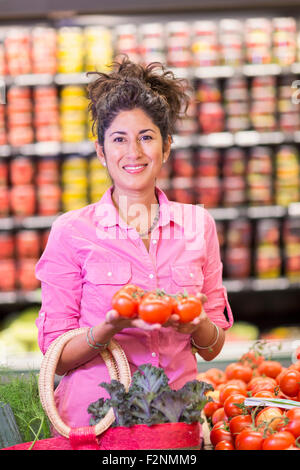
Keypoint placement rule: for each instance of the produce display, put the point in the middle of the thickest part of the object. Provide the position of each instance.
(272, 422)
(18, 333)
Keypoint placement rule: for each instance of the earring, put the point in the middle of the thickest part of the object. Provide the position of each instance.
(104, 163)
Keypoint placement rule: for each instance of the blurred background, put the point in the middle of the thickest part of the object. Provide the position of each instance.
(236, 152)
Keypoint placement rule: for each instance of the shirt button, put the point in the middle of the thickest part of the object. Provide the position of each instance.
(191, 275)
(109, 273)
(153, 354)
(42, 314)
(154, 242)
(151, 276)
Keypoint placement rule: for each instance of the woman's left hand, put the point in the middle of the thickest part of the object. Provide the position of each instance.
(190, 327)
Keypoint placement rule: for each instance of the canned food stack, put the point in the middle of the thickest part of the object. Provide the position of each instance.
(268, 261)
(18, 51)
(188, 124)
(126, 41)
(284, 40)
(260, 176)
(207, 181)
(70, 49)
(73, 114)
(152, 43)
(230, 39)
(19, 111)
(28, 249)
(258, 41)
(99, 181)
(291, 242)
(43, 40)
(74, 182)
(23, 201)
(263, 103)
(48, 186)
(211, 114)
(46, 114)
(287, 175)
(234, 177)
(238, 249)
(236, 104)
(7, 262)
(98, 48)
(205, 44)
(178, 44)
(287, 106)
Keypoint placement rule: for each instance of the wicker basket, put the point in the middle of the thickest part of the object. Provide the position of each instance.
(118, 368)
(168, 435)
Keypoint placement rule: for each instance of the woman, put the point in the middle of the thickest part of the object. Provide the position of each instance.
(133, 235)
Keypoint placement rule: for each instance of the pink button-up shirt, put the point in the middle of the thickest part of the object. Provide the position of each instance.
(91, 253)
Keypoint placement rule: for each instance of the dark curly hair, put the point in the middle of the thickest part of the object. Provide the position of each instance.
(151, 88)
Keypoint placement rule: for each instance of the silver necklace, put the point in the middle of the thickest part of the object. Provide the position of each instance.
(153, 224)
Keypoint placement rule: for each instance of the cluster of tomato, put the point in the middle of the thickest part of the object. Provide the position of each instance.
(234, 426)
(155, 306)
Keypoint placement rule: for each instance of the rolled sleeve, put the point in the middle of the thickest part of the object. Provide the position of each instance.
(61, 284)
(217, 300)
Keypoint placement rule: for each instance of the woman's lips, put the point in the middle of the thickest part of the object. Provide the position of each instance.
(134, 168)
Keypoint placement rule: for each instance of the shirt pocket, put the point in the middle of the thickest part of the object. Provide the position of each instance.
(188, 275)
(109, 273)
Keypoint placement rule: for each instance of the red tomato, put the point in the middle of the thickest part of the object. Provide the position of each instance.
(187, 307)
(230, 389)
(251, 359)
(238, 382)
(230, 407)
(268, 416)
(236, 370)
(219, 415)
(238, 423)
(220, 432)
(270, 368)
(216, 375)
(262, 383)
(295, 366)
(155, 307)
(278, 377)
(126, 300)
(249, 439)
(224, 445)
(211, 407)
(278, 441)
(291, 422)
(290, 383)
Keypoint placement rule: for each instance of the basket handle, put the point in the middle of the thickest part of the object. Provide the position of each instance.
(118, 368)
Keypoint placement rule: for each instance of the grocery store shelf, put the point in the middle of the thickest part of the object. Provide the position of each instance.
(20, 297)
(256, 212)
(32, 222)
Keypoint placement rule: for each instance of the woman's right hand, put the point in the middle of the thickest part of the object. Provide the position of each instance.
(118, 322)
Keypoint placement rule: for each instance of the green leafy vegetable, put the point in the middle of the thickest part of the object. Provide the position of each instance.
(150, 400)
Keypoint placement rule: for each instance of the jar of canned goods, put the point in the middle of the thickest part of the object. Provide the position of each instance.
(284, 40)
(183, 190)
(238, 262)
(3, 172)
(234, 191)
(207, 162)
(26, 279)
(208, 191)
(7, 245)
(178, 44)
(99, 48)
(205, 44)
(126, 41)
(258, 40)
(152, 43)
(183, 164)
(259, 176)
(291, 243)
(27, 244)
(211, 117)
(17, 44)
(231, 42)
(239, 233)
(44, 49)
(7, 275)
(268, 261)
(48, 199)
(70, 49)
(47, 171)
(234, 162)
(21, 170)
(23, 200)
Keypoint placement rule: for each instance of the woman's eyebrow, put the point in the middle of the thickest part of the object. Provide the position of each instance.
(124, 133)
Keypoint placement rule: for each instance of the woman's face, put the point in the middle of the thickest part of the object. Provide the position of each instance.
(133, 151)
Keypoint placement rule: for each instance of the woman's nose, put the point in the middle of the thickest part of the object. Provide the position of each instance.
(134, 147)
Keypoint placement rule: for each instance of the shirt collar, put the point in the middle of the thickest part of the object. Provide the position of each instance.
(108, 215)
